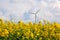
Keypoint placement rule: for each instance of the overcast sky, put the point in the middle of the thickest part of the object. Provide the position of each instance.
(21, 10)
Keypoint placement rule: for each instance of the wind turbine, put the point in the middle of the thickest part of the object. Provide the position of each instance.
(35, 14)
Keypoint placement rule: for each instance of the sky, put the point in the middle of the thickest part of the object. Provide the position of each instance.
(16, 10)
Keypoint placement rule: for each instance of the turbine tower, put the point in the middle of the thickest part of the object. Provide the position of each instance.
(35, 15)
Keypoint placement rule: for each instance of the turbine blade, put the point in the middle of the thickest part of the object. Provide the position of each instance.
(32, 13)
(37, 11)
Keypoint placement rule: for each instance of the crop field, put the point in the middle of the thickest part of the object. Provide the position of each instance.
(29, 31)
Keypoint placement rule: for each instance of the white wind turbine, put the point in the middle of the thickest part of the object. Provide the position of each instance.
(35, 15)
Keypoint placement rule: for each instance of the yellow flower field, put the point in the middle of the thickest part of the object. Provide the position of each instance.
(29, 31)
